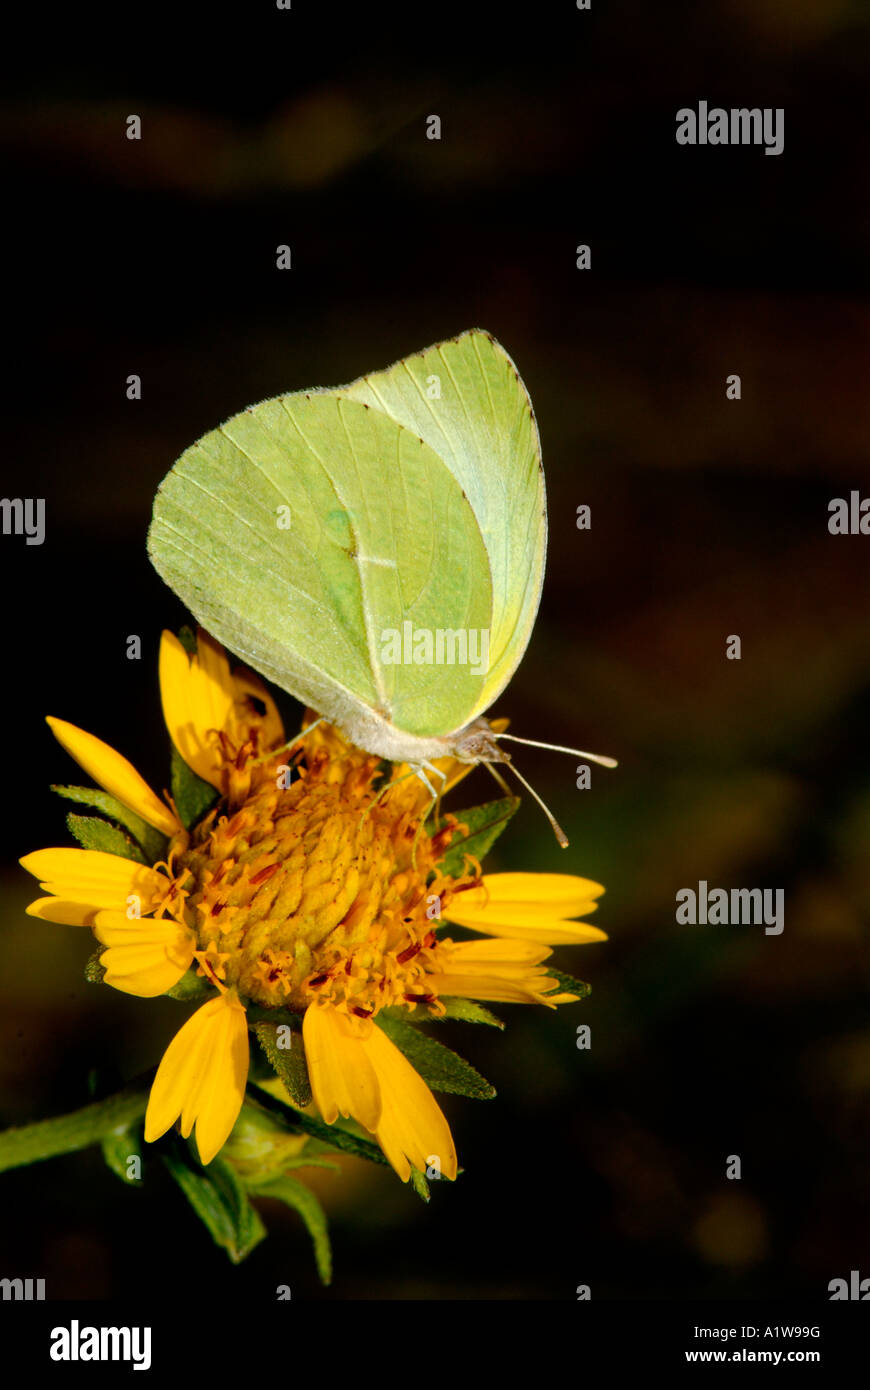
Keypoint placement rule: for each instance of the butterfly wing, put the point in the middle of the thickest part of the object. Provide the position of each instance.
(465, 398)
(380, 533)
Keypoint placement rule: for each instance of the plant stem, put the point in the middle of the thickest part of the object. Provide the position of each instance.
(67, 1133)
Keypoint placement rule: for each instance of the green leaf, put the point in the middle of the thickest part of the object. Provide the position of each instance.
(150, 840)
(220, 1201)
(440, 1068)
(119, 1147)
(192, 796)
(469, 1011)
(568, 984)
(483, 825)
(92, 832)
(295, 1194)
(333, 1136)
(289, 1063)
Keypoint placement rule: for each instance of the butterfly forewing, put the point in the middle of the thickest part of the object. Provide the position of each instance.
(465, 398)
(378, 535)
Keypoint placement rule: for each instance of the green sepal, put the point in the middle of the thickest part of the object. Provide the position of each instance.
(119, 1148)
(187, 638)
(191, 794)
(419, 1184)
(333, 1136)
(92, 832)
(259, 1013)
(191, 987)
(219, 1199)
(483, 825)
(465, 1010)
(469, 1011)
(94, 972)
(439, 1067)
(296, 1195)
(289, 1063)
(150, 841)
(569, 985)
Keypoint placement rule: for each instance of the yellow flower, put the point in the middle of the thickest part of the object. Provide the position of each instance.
(321, 895)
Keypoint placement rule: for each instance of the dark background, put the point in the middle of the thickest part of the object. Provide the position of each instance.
(709, 518)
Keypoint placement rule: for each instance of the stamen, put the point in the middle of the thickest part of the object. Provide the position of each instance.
(262, 875)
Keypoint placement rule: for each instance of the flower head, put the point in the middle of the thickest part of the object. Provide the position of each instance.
(314, 889)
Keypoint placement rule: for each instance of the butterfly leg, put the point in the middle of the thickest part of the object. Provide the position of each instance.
(287, 747)
(417, 770)
(420, 770)
(436, 771)
(384, 789)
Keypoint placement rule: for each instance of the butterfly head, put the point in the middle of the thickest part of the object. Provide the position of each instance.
(476, 743)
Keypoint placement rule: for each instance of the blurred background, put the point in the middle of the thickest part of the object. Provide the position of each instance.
(709, 518)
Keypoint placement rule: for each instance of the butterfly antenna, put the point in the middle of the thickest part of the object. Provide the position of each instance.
(560, 748)
(557, 829)
(498, 777)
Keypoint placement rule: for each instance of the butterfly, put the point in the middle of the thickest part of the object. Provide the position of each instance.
(375, 549)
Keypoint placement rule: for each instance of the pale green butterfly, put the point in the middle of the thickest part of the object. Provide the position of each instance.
(375, 549)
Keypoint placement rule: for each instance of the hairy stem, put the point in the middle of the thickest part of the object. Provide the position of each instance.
(67, 1133)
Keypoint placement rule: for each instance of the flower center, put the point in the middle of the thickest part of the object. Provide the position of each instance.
(325, 888)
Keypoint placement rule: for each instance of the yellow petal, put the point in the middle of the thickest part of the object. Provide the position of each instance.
(496, 969)
(494, 988)
(483, 954)
(197, 696)
(551, 896)
(92, 877)
(531, 907)
(546, 933)
(114, 774)
(343, 1080)
(563, 895)
(56, 910)
(202, 1076)
(146, 956)
(412, 1128)
(248, 687)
